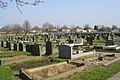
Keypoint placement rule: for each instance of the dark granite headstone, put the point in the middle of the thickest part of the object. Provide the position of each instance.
(49, 48)
(28, 48)
(16, 47)
(22, 47)
(1, 61)
(2, 43)
(36, 50)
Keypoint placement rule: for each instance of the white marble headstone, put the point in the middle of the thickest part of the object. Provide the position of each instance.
(80, 41)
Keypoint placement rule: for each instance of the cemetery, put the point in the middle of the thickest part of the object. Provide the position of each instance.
(48, 56)
(59, 40)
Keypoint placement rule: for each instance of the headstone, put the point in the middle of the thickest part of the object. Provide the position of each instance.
(36, 50)
(118, 40)
(49, 48)
(70, 41)
(80, 41)
(28, 48)
(9, 46)
(109, 42)
(16, 47)
(1, 61)
(89, 40)
(22, 47)
(2, 43)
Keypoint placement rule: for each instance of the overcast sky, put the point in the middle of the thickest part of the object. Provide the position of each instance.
(65, 12)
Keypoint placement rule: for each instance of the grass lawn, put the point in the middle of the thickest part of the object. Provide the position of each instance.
(5, 73)
(98, 72)
(3, 49)
(100, 42)
(14, 53)
(35, 63)
(103, 50)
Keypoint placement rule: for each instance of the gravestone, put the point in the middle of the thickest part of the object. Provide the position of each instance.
(7, 44)
(49, 48)
(10, 46)
(16, 47)
(22, 47)
(28, 48)
(80, 41)
(36, 49)
(2, 43)
(70, 41)
(89, 40)
(109, 42)
(69, 37)
(1, 61)
(118, 40)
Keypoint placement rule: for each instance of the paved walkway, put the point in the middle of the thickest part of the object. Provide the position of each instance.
(115, 77)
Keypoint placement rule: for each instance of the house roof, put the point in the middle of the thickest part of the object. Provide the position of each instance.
(35, 28)
(65, 27)
(77, 27)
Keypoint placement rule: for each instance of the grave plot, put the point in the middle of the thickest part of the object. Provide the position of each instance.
(36, 63)
(50, 71)
(16, 59)
(104, 59)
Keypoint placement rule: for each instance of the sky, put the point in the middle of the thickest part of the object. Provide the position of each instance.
(64, 12)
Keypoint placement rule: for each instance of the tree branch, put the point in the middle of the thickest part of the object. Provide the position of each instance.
(20, 3)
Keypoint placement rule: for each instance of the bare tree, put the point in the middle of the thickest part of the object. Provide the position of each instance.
(26, 27)
(6, 29)
(47, 25)
(20, 3)
(86, 27)
(114, 27)
(17, 29)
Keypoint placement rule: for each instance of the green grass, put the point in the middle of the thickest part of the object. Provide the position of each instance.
(103, 50)
(98, 73)
(14, 53)
(5, 73)
(100, 42)
(42, 59)
(2, 49)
